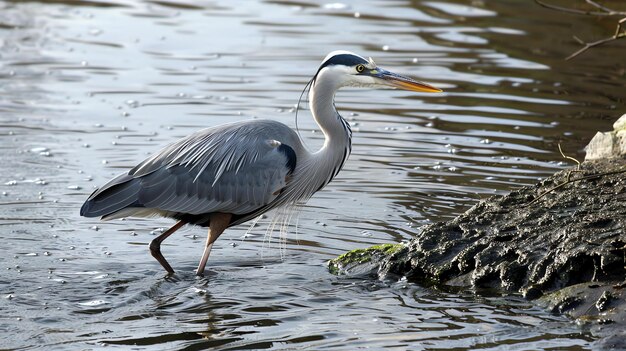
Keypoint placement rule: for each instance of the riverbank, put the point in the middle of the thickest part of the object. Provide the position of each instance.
(560, 243)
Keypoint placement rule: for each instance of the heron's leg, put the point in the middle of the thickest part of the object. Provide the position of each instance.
(218, 223)
(155, 246)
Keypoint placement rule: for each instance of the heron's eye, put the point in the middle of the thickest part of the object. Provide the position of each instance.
(360, 68)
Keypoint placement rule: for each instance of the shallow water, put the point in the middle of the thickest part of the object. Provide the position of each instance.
(89, 88)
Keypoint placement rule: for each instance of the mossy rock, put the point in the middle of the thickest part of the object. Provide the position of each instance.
(359, 261)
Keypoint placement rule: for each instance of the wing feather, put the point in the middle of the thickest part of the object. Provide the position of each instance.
(236, 168)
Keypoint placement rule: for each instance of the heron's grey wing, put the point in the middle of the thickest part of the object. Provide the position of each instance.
(118, 193)
(184, 189)
(235, 168)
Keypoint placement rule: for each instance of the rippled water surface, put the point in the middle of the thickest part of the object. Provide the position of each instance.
(90, 88)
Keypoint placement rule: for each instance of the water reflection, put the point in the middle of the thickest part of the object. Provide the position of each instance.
(91, 87)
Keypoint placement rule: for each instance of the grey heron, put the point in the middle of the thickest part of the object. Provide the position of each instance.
(226, 175)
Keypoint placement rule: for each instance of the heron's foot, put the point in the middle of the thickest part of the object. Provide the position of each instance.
(155, 250)
(202, 265)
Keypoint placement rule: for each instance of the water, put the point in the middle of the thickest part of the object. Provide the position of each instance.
(89, 88)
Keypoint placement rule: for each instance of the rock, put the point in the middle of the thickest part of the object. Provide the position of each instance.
(362, 261)
(561, 242)
(620, 124)
(608, 144)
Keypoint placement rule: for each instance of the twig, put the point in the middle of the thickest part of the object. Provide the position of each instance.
(567, 181)
(569, 157)
(610, 12)
(618, 34)
(605, 11)
(580, 41)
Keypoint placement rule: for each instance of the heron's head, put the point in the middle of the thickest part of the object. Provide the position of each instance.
(344, 68)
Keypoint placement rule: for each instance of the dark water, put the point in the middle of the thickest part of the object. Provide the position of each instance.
(89, 88)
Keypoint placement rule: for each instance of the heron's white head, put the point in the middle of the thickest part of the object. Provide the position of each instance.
(344, 68)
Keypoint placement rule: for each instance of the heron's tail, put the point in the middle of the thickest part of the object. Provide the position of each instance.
(121, 193)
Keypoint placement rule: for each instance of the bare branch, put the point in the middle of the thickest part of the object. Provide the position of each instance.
(610, 12)
(605, 10)
(618, 34)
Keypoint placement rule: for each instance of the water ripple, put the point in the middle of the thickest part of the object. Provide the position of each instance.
(92, 87)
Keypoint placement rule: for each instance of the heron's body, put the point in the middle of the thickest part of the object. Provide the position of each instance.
(226, 175)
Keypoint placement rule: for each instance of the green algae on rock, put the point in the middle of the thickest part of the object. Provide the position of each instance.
(360, 257)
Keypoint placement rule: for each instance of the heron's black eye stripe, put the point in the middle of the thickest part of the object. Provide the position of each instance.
(348, 60)
(360, 68)
(345, 60)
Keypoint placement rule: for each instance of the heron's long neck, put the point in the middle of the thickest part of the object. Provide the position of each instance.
(315, 170)
(324, 164)
(336, 130)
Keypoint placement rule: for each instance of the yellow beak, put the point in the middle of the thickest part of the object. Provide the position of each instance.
(404, 83)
